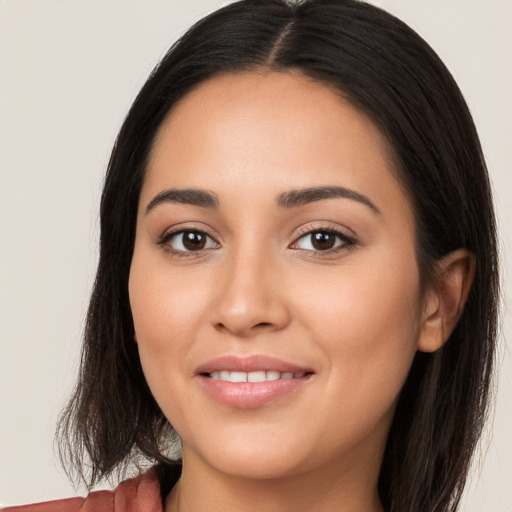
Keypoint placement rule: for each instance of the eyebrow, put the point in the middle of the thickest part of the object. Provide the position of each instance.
(303, 196)
(290, 199)
(193, 196)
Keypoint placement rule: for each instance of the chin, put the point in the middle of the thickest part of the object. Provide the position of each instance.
(254, 457)
(258, 465)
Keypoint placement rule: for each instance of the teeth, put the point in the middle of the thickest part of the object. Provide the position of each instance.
(238, 377)
(258, 376)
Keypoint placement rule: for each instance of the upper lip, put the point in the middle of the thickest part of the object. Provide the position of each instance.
(251, 363)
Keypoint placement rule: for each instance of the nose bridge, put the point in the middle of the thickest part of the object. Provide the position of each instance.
(249, 297)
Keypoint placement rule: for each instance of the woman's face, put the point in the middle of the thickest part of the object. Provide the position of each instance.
(274, 244)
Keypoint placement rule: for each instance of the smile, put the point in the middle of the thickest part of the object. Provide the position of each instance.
(252, 381)
(256, 376)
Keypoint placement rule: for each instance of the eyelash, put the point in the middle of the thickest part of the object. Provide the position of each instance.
(347, 242)
(164, 240)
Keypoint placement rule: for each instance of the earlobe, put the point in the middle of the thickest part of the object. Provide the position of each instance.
(445, 300)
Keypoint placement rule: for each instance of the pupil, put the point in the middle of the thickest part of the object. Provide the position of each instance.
(323, 241)
(193, 241)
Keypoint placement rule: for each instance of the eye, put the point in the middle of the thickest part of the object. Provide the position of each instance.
(187, 240)
(323, 240)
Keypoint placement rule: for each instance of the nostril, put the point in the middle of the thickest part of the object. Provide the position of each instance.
(263, 324)
(243, 330)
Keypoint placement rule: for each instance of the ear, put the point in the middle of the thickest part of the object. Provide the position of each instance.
(445, 300)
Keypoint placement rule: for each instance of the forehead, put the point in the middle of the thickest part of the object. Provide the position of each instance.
(289, 102)
(270, 131)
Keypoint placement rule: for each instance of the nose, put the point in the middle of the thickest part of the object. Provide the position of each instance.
(250, 298)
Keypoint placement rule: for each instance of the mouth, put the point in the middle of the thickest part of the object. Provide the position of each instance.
(255, 376)
(250, 382)
(256, 366)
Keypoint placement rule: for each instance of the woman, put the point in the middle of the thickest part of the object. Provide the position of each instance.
(298, 272)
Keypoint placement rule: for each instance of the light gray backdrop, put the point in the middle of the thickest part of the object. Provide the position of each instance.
(68, 73)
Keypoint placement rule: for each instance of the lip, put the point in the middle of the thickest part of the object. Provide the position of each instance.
(250, 364)
(249, 395)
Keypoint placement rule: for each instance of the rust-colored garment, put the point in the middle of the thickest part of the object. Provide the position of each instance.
(140, 494)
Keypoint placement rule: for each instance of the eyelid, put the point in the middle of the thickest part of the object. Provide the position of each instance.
(200, 227)
(324, 225)
(349, 241)
(169, 233)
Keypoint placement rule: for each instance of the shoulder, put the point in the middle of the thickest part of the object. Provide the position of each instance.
(141, 493)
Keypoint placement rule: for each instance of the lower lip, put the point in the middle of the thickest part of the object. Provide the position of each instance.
(249, 395)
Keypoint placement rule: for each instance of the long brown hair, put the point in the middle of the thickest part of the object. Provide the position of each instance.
(384, 68)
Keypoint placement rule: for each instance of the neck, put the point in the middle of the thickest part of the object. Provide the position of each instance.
(324, 490)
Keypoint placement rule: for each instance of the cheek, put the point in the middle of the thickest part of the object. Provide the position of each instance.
(363, 298)
(167, 310)
(367, 322)
(165, 305)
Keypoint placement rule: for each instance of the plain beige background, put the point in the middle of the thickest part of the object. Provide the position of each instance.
(69, 70)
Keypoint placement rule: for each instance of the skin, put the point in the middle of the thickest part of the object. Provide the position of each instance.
(355, 315)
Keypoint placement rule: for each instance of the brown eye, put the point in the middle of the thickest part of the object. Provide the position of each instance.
(193, 241)
(189, 241)
(323, 241)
